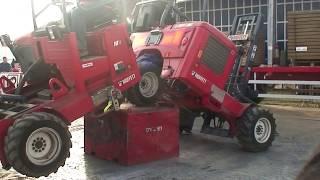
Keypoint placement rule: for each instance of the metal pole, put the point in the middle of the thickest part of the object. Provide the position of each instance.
(271, 29)
(65, 16)
(204, 8)
(33, 16)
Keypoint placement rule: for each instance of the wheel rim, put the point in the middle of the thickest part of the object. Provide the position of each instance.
(149, 84)
(43, 146)
(262, 130)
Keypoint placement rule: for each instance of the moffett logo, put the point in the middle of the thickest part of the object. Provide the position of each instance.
(199, 77)
(127, 80)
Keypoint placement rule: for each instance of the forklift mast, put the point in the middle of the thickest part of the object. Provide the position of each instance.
(244, 34)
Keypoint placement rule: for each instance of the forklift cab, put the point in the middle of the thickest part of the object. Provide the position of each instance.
(52, 19)
(57, 58)
(152, 14)
(147, 16)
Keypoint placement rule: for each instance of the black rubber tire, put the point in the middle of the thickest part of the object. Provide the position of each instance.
(246, 127)
(18, 133)
(134, 94)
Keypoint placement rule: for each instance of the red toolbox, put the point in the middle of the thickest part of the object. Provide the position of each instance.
(133, 136)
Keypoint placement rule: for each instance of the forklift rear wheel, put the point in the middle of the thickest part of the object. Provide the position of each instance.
(148, 89)
(37, 144)
(256, 130)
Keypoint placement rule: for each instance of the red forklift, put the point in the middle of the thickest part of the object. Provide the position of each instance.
(59, 86)
(198, 68)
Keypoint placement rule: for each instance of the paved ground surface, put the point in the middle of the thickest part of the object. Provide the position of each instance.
(207, 157)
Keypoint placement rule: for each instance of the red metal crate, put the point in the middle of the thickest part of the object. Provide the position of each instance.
(133, 136)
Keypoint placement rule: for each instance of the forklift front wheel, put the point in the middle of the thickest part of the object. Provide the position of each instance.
(147, 91)
(37, 144)
(256, 130)
(43, 146)
(149, 84)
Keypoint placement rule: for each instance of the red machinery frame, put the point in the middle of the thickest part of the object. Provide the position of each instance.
(305, 73)
(85, 83)
(182, 55)
(300, 76)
